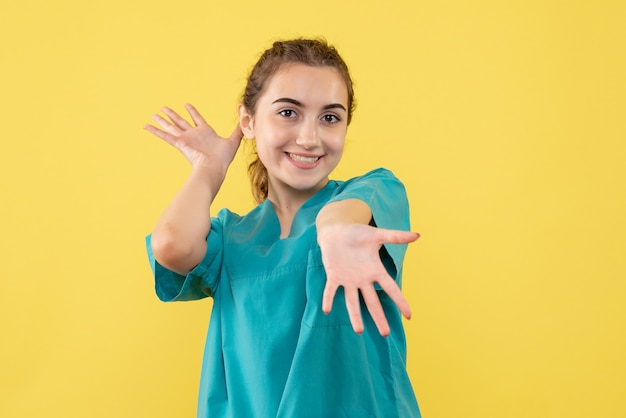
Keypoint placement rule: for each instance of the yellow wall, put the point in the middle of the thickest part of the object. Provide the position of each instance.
(505, 119)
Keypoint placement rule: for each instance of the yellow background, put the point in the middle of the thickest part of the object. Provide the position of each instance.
(505, 120)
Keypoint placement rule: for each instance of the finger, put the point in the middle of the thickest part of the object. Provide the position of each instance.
(166, 125)
(395, 294)
(354, 308)
(329, 295)
(393, 236)
(179, 122)
(169, 138)
(376, 310)
(176, 118)
(195, 115)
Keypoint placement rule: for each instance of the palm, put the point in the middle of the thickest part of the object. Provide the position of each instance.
(350, 254)
(200, 144)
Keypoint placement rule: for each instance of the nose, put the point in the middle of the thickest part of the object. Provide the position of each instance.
(308, 137)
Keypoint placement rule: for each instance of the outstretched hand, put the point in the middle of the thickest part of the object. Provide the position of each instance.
(200, 144)
(350, 254)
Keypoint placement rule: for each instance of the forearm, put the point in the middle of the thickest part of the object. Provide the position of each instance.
(349, 211)
(179, 236)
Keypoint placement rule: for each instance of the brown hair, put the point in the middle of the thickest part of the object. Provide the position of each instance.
(313, 52)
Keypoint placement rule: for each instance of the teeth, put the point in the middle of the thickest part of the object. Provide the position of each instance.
(303, 159)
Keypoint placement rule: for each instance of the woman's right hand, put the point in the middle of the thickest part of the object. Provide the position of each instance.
(200, 144)
(179, 236)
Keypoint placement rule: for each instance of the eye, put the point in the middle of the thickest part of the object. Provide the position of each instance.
(288, 113)
(330, 118)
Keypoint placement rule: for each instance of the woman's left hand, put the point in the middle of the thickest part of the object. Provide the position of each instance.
(350, 254)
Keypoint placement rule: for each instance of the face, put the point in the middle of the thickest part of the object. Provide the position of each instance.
(299, 127)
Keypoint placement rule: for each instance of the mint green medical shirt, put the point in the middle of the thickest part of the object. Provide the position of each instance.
(270, 350)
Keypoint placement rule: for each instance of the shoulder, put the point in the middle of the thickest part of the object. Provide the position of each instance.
(238, 228)
(380, 180)
(377, 174)
(226, 217)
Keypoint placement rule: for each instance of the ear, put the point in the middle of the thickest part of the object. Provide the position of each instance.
(246, 121)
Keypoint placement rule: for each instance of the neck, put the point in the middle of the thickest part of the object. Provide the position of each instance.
(287, 206)
(286, 199)
(286, 203)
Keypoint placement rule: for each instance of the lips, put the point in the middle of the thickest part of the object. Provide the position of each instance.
(303, 158)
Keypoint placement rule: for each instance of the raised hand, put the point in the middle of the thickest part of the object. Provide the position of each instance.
(350, 254)
(199, 143)
(179, 236)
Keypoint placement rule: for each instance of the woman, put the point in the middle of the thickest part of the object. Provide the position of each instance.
(278, 345)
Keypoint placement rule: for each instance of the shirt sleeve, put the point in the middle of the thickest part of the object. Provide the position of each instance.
(199, 282)
(386, 197)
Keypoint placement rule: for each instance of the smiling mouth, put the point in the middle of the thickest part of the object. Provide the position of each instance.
(302, 158)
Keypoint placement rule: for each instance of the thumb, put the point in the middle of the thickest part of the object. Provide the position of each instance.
(236, 135)
(393, 236)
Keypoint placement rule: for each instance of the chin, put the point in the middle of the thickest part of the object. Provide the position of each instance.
(307, 186)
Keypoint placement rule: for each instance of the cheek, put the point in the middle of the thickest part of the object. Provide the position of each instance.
(269, 141)
(337, 142)
(262, 149)
(274, 134)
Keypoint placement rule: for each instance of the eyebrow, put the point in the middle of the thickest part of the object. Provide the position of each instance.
(298, 103)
